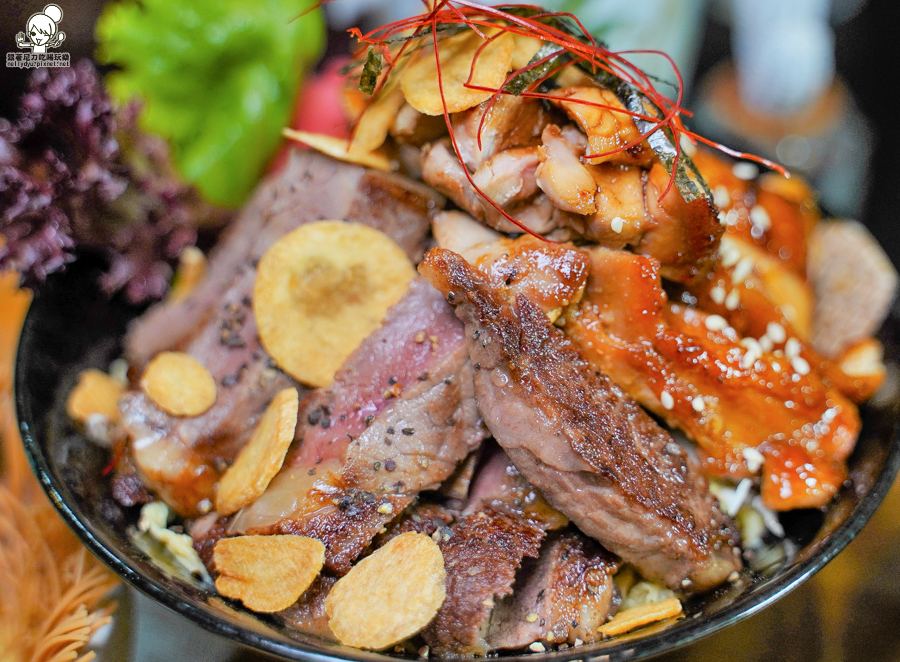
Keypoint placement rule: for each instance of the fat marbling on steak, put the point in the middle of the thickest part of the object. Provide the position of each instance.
(594, 454)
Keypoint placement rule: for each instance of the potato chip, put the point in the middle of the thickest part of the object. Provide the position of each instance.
(419, 79)
(373, 125)
(320, 290)
(340, 149)
(95, 393)
(259, 461)
(389, 595)
(636, 617)
(179, 384)
(267, 573)
(191, 270)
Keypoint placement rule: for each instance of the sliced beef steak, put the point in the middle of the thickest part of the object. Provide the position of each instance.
(504, 522)
(311, 187)
(597, 457)
(182, 458)
(481, 558)
(563, 595)
(398, 419)
(308, 614)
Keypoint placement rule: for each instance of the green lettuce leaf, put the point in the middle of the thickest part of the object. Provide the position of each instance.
(217, 78)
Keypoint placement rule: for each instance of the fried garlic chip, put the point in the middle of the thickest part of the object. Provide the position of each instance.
(636, 617)
(419, 79)
(192, 267)
(179, 384)
(320, 290)
(267, 573)
(259, 461)
(95, 393)
(375, 122)
(340, 149)
(389, 595)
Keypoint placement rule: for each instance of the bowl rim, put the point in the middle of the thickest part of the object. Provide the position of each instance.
(686, 632)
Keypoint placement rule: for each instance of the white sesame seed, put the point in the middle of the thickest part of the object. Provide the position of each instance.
(698, 403)
(776, 332)
(734, 576)
(776, 366)
(811, 482)
(386, 509)
(792, 348)
(766, 344)
(488, 603)
(721, 217)
(728, 254)
(537, 647)
(687, 146)
(531, 617)
(617, 224)
(717, 294)
(666, 399)
(577, 643)
(760, 218)
(800, 365)
(745, 171)
(753, 459)
(750, 357)
(721, 197)
(732, 217)
(742, 269)
(715, 323)
(733, 300)
(686, 582)
(789, 312)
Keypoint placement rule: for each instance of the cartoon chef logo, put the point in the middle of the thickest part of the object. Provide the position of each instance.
(42, 30)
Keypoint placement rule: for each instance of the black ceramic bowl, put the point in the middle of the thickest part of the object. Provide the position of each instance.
(70, 328)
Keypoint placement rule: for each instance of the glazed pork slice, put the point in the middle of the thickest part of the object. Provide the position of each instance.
(398, 419)
(595, 455)
(561, 597)
(311, 187)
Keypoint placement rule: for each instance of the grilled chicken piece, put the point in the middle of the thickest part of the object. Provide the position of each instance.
(311, 187)
(770, 212)
(732, 396)
(398, 419)
(507, 178)
(623, 205)
(592, 452)
(607, 124)
(512, 121)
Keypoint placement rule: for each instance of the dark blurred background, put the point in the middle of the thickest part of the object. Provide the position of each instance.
(849, 611)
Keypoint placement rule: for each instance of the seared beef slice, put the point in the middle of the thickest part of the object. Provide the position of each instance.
(398, 419)
(311, 187)
(182, 458)
(594, 454)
